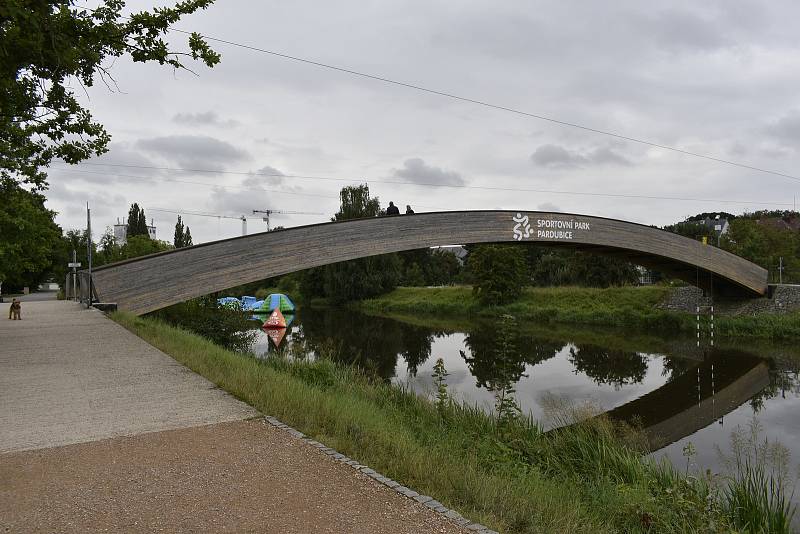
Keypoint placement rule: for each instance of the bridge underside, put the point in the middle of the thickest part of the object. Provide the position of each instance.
(152, 282)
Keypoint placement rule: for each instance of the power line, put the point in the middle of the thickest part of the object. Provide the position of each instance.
(481, 103)
(399, 182)
(150, 179)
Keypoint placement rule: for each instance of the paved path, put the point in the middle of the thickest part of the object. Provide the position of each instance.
(34, 297)
(245, 476)
(69, 375)
(100, 431)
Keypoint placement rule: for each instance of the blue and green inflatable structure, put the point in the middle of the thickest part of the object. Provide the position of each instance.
(252, 304)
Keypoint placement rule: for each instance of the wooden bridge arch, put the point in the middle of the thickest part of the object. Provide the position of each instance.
(152, 282)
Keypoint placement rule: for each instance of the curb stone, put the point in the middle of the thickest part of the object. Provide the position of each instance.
(427, 501)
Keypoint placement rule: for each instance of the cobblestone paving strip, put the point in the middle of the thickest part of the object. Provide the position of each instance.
(244, 476)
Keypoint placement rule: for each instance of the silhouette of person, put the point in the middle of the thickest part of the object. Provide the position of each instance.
(409, 211)
(392, 209)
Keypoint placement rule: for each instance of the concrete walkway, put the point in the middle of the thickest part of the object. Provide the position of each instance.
(69, 375)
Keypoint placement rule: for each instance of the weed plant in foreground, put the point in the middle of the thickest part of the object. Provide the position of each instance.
(586, 477)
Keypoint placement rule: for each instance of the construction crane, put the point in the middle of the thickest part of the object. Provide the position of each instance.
(204, 214)
(267, 213)
(240, 217)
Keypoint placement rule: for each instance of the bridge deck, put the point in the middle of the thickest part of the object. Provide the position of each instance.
(152, 282)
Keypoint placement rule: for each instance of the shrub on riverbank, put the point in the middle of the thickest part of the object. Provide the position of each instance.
(581, 479)
(617, 306)
(227, 327)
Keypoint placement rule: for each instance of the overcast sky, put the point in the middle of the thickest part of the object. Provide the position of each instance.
(719, 77)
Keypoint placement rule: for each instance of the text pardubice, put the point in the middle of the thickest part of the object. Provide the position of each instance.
(558, 229)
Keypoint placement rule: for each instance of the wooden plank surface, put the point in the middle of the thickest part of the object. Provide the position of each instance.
(153, 282)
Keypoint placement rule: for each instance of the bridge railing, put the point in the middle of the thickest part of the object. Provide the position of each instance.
(86, 290)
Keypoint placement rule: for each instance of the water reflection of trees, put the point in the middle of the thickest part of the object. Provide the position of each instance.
(495, 372)
(609, 366)
(675, 367)
(782, 382)
(372, 343)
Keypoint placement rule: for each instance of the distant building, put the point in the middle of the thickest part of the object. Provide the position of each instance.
(718, 225)
(121, 232)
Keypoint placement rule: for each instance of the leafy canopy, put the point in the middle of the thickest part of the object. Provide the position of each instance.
(50, 47)
(182, 237)
(137, 222)
(28, 236)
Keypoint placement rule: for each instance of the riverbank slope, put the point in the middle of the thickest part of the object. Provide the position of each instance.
(639, 307)
(506, 474)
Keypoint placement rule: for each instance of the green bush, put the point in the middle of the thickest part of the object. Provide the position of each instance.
(225, 326)
(499, 273)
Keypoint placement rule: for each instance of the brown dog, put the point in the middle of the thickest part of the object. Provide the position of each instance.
(15, 311)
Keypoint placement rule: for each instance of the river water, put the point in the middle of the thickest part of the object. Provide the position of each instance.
(677, 392)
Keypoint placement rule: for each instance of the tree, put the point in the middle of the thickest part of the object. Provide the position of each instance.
(140, 245)
(179, 240)
(356, 279)
(356, 203)
(137, 222)
(187, 238)
(29, 237)
(499, 273)
(50, 47)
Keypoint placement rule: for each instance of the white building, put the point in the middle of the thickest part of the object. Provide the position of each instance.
(121, 232)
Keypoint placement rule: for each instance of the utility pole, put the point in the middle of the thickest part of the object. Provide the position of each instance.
(74, 266)
(89, 249)
(266, 213)
(780, 270)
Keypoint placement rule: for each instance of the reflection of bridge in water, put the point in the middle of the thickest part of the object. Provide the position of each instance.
(704, 393)
(152, 282)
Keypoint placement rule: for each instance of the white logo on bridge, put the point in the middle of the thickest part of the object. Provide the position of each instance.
(546, 228)
(523, 227)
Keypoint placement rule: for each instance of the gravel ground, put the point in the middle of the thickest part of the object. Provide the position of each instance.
(244, 476)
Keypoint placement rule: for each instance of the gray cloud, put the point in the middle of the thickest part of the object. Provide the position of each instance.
(271, 175)
(194, 151)
(548, 206)
(556, 156)
(786, 129)
(698, 76)
(73, 201)
(207, 118)
(676, 29)
(416, 171)
(255, 192)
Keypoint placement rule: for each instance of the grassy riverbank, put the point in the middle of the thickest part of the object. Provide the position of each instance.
(511, 477)
(635, 307)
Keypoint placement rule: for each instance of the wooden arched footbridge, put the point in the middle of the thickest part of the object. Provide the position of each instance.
(152, 282)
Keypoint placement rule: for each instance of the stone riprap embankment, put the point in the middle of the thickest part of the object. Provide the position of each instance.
(782, 299)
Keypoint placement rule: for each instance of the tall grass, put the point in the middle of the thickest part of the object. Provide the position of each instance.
(759, 493)
(587, 477)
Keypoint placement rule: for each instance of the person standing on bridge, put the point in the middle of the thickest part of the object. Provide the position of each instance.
(392, 209)
(409, 211)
